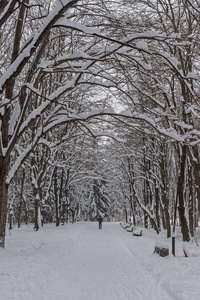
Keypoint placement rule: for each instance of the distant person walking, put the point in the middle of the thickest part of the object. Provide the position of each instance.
(100, 220)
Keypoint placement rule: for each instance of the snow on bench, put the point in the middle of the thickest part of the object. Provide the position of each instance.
(125, 225)
(161, 249)
(131, 228)
(137, 233)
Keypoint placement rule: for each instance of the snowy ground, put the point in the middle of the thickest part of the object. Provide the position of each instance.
(81, 262)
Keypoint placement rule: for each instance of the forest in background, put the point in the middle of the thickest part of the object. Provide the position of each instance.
(99, 112)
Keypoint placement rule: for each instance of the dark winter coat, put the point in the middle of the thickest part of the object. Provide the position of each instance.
(100, 219)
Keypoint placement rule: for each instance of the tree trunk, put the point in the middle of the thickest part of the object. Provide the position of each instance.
(194, 160)
(164, 224)
(63, 213)
(164, 195)
(166, 217)
(57, 200)
(11, 219)
(21, 199)
(26, 213)
(36, 221)
(19, 214)
(167, 220)
(5, 119)
(145, 202)
(67, 215)
(157, 207)
(191, 201)
(180, 194)
(3, 200)
(126, 215)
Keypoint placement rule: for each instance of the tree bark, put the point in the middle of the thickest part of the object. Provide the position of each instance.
(57, 199)
(36, 220)
(157, 207)
(3, 199)
(167, 220)
(191, 201)
(5, 118)
(180, 194)
(21, 199)
(164, 195)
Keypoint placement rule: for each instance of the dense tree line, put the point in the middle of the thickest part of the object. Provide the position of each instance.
(99, 112)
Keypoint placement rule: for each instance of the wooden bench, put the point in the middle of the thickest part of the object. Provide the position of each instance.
(162, 250)
(136, 233)
(125, 225)
(131, 228)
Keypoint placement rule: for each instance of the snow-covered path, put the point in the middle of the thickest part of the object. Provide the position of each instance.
(81, 262)
(105, 268)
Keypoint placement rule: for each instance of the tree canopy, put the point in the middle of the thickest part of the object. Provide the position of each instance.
(99, 112)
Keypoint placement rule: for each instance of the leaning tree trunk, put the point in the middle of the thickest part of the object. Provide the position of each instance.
(5, 119)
